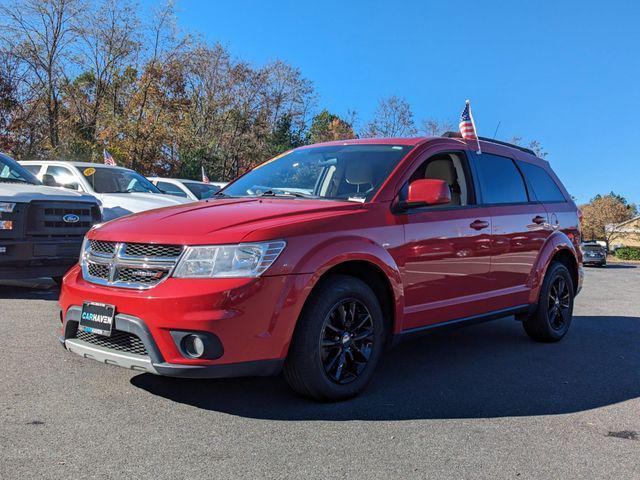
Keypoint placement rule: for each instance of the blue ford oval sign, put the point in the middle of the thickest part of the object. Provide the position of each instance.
(71, 218)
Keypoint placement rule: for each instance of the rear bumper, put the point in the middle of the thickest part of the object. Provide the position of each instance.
(253, 319)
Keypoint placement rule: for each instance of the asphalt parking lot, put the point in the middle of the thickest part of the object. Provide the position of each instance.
(479, 402)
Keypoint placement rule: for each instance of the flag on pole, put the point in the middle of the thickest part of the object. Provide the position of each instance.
(205, 179)
(108, 159)
(467, 125)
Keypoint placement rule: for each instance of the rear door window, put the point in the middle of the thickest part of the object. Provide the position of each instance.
(35, 169)
(544, 187)
(63, 176)
(171, 189)
(500, 180)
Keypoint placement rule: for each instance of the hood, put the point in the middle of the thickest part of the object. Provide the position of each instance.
(218, 221)
(119, 204)
(23, 192)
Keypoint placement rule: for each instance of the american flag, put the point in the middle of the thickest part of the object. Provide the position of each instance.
(467, 125)
(205, 179)
(108, 159)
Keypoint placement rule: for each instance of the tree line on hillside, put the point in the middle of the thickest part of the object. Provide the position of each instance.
(80, 76)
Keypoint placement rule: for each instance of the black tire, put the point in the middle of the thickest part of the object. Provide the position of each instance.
(552, 318)
(327, 328)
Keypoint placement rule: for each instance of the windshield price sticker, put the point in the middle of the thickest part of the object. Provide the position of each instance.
(89, 171)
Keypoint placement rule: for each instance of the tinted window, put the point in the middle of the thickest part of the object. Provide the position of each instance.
(116, 180)
(544, 188)
(170, 189)
(35, 169)
(12, 172)
(202, 190)
(500, 180)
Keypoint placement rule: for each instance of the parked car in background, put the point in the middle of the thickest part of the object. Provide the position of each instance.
(120, 190)
(191, 189)
(41, 228)
(594, 254)
(313, 262)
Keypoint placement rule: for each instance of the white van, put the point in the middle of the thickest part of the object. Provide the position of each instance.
(120, 190)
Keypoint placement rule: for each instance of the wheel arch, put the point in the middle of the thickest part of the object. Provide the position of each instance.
(367, 262)
(558, 247)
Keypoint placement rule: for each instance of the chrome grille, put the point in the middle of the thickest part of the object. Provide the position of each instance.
(98, 270)
(138, 275)
(102, 247)
(128, 265)
(152, 250)
(120, 341)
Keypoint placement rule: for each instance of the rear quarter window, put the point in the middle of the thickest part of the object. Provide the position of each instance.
(544, 187)
(500, 180)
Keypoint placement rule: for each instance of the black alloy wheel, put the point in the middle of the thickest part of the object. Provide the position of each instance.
(347, 341)
(559, 303)
(337, 341)
(552, 317)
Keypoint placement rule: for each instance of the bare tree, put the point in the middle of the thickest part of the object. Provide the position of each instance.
(108, 33)
(40, 35)
(534, 145)
(434, 128)
(393, 118)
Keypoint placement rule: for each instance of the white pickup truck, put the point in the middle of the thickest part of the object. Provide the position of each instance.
(41, 228)
(120, 190)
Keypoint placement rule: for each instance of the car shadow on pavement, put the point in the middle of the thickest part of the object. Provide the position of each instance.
(620, 265)
(484, 371)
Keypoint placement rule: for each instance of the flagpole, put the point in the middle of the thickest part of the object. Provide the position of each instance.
(474, 127)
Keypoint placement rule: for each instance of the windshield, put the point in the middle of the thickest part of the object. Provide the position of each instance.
(202, 190)
(592, 248)
(115, 180)
(12, 172)
(342, 172)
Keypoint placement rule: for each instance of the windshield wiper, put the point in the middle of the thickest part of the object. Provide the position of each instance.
(287, 193)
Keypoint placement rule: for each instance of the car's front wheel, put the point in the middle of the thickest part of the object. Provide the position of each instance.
(337, 342)
(552, 318)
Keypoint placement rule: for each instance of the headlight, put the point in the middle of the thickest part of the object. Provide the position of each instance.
(228, 261)
(7, 207)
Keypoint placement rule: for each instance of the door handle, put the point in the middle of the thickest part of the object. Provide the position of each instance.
(479, 224)
(539, 219)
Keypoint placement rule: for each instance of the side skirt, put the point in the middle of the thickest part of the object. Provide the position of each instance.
(518, 312)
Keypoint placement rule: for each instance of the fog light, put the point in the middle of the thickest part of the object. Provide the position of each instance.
(193, 345)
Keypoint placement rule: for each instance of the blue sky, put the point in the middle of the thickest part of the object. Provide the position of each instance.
(563, 72)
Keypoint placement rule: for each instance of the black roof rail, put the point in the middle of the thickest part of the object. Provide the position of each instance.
(492, 140)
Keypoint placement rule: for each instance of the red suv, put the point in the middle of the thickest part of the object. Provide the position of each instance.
(316, 260)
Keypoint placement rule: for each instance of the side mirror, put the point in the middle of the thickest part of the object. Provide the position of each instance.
(427, 191)
(49, 181)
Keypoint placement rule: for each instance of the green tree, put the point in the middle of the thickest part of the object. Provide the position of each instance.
(326, 127)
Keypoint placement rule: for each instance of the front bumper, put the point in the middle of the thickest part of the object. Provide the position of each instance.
(253, 319)
(38, 257)
(154, 362)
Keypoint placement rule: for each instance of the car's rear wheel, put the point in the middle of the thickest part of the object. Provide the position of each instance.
(337, 342)
(552, 318)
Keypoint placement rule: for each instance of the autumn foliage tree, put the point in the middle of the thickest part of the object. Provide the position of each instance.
(80, 76)
(602, 211)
